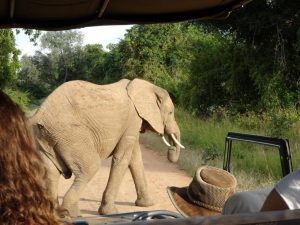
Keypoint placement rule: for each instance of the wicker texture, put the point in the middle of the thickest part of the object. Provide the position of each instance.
(211, 187)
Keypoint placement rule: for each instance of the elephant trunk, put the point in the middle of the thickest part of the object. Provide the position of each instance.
(174, 148)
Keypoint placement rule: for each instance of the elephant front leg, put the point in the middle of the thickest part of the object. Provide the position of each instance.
(120, 162)
(137, 171)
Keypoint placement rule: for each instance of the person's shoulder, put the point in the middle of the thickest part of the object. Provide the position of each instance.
(292, 176)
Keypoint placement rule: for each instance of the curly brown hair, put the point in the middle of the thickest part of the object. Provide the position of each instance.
(23, 196)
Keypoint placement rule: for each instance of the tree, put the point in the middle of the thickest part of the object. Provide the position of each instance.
(88, 63)
(42, 73)
(63, 46)
(269, 30)
(209, 70)
(160, 53)
(34, 76)
(113, 67)
(8, 58)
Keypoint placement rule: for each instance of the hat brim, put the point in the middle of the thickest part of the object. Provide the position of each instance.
(184, 206)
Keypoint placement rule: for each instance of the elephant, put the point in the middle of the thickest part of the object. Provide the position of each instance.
(81, 123)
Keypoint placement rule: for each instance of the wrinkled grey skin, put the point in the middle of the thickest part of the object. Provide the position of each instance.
(81, 123)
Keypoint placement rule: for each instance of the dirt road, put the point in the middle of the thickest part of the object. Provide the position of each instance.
(159, 171)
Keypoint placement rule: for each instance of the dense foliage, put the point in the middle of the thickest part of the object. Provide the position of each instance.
(269, 32)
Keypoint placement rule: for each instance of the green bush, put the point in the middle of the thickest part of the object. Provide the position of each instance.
(250, 121)
(21, 98)
(282, 120)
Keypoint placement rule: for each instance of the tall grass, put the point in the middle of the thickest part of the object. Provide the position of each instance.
(254, 165)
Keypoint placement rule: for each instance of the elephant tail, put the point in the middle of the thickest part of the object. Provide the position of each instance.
(59, 164)
(46, 146)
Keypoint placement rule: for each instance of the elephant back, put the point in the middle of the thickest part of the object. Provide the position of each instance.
(95, 112)
(81, 96)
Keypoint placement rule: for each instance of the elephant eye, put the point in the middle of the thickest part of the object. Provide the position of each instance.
(170, 113)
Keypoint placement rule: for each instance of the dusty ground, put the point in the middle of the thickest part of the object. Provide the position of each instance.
(159, 172)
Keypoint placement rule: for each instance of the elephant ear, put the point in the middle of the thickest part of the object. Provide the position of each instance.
(147, 99)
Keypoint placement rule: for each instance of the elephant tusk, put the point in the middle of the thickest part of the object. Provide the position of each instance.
(166, 142)
(176, 141)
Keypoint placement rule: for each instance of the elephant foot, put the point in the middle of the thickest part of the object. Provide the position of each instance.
(107, 209)
(69, 211)
(64, 215)
(63, 212)
(144, 202)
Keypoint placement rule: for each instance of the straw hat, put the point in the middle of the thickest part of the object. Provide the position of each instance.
(206, 194)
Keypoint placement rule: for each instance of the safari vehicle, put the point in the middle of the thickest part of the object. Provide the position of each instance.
(69, 14)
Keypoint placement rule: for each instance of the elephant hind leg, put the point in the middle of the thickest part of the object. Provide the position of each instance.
(53, 178)
(53, 175)
(72, 196)
(120, 161)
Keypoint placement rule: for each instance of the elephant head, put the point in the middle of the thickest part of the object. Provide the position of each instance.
(155, 107)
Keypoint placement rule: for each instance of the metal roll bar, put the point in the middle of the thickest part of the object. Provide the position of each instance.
(280, 143)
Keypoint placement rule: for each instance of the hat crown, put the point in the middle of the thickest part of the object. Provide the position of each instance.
(211, 187)
(217, 177)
